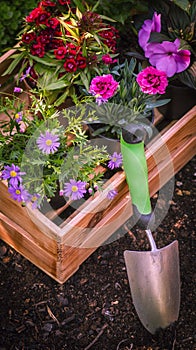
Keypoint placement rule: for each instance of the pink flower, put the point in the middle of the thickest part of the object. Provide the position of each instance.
(168, 57)
(107, 59)
(103, 87)
(149, 26)
(152, 81)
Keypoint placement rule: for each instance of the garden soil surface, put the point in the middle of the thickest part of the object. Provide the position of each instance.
(94, 309)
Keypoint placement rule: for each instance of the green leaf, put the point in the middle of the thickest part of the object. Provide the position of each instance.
(57, 85)
(14, 63)
(47, 62)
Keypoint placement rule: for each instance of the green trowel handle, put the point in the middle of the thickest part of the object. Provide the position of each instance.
(136, 171)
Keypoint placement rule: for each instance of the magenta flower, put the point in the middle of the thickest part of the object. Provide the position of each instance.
(18, 117)
(12, 174)
(149, 26)
(103, 87)
(152, 81)
(107, 59)
(48, 142)
(115, 160)
(75, 189)
(18, 90)
(111, 194)
(168, 57)
(18, 193)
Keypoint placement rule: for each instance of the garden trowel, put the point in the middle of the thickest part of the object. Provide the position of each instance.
(154, 275)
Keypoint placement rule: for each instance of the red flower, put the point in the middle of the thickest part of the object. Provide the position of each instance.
(81, 61)
(27, 38)
(42, 17)
(64, 2)
(52, 22)
(33, 14)
(44, 37)
(73, 49)
(70, 65)
(55, 44)
(60, 52)
(46, 3)
(37, 50)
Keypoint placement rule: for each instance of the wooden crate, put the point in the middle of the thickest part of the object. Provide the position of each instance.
(60, 250)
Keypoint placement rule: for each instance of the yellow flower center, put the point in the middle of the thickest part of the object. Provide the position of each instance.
(17, 116)
(48, 142)
(17, 191)
(114, 159)
(34, 198)
(13, 173)
(74, 188)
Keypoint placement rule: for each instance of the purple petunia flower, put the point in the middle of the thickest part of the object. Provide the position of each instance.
(18, 193)
(149, 26)
(103, 87)
(18, 90)
(48, 142)
(75, 189)
(12, 174)
(18, 117)
(111, 194)
(115, 160)
(152, 81)
(168, 57)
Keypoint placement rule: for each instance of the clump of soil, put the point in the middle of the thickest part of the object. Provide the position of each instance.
(93, 309)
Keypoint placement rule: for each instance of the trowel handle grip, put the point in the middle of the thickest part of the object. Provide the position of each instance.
(136, 171)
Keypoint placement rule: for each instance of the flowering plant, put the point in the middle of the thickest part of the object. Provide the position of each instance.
(43, 152)
(127, 95)
(169, 40)
(61, 47)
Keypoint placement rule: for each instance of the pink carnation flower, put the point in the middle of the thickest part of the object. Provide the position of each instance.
(152, 81)
(103, 87)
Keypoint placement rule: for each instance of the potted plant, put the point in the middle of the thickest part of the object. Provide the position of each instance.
(127, 95)
(61, 47)
(168, 40)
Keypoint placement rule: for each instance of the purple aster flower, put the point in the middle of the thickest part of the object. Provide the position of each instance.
(18, 117)
(168, 57)
(12, 174)
(111, 194)
(103, 87)
(48, 142)
(75, 189)
(18, 90)
(34, 201)
(152, 81)
(18, 193)
(149, 26)
(115, 160)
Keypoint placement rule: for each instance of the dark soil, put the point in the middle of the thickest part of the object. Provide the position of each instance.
(94, 309)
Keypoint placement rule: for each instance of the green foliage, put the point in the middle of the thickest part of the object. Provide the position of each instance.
(121, 10)
(12, 14)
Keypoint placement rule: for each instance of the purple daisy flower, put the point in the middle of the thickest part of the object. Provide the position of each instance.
(18, 193)
(12, 174)
(75, 189)
(34, 201)
(111, 194)
(26, 74)
(115, 160)
(18, 117)
(48, 142)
